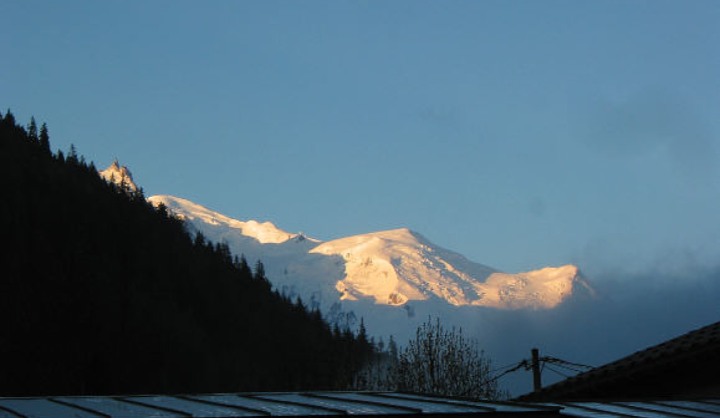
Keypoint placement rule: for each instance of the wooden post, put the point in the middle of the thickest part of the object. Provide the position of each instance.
(537, 382)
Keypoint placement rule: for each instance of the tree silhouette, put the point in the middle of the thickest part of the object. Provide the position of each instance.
(44, 138)
(102, 293)
(437, 361)
(32, 130)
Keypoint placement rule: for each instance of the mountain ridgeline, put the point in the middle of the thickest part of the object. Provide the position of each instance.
(103, 293)
(393, 279)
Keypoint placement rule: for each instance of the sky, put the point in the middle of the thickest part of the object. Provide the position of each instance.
(520, 134)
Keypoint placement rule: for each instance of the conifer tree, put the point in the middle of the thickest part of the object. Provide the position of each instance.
(392, 347)
(44, 138)
(72, 156)
(32, 130)
(362, 333)
(9, 119)
(242, 265)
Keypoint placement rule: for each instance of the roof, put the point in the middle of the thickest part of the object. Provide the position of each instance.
(359, 404)
(292, 404)
(706, 408)
(683, 367)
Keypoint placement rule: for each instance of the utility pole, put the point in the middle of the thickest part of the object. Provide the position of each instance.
(535, 364)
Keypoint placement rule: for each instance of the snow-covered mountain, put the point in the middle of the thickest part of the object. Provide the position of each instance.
(387, 268)
(393, 279)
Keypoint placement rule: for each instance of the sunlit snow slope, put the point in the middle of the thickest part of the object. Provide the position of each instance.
(388, 267)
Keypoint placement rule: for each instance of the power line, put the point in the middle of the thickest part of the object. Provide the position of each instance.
(504, 367)
(544, 362)
(514, 367)
(557, 372)
(568, 368)
(537, 364)
(569, 363)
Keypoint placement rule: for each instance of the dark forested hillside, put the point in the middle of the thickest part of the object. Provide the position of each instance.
(101, 293)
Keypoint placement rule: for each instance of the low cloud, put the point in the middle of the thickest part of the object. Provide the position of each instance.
(632, 312)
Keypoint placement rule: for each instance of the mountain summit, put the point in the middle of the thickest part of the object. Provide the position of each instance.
(119, 175)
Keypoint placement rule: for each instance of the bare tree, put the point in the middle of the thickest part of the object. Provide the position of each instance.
(437, 361)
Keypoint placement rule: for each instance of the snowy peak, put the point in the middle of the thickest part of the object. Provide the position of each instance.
(263, 232)
(397, 266)
(119, 175)
(393, 243)
(399, 235)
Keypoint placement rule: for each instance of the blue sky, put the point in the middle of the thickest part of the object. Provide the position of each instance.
(518, 133)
